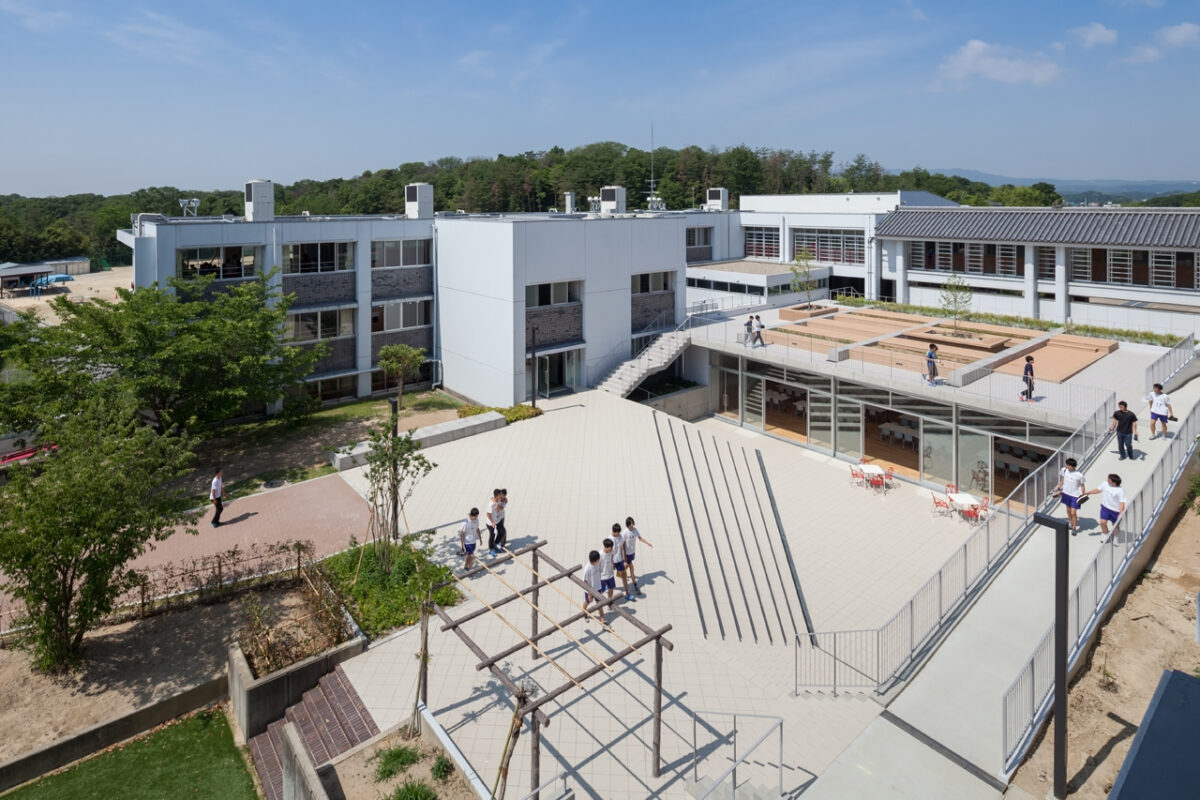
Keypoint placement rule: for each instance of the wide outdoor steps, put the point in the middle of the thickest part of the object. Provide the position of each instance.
(657, 356)
(739, 570)
(331, 718)
(746, 791)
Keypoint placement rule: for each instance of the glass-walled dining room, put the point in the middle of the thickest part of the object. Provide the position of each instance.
(923, 440)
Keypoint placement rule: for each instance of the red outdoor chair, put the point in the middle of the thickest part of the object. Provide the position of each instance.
(876, 483)
(941, 506)
(977, 513)
(889, 477)
(951, 488)
(856, 476)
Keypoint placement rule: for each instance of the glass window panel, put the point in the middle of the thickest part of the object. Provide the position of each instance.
(531, 296)
(426, 312)
(376, 319)
(377, 251)
(327, 259)
(391, 318)
(849, 428)
(635, 284)
(574, 289)
(329, 324)
(820, 420)
(559, 293)
(308, 326)
(410, 314)
(346, 255)
(752, 401)
(309, 254)
(937, 452)
(249, 260)
(346, 322)
(543, 294)
(922, 407)
(974, 461)
(868, 394)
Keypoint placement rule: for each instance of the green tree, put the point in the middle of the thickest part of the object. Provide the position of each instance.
(802, 277)
(394, 467)
(402, 361)
(955, 299)
(71, 523)
(192, 357)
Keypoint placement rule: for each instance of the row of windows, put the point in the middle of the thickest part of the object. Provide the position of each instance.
(401, 315)
(699, 237)
(652, 282)
(402, 253)
(761, 242)
(317, 257)
(310, 326)
(553, 294)
(225, 263)
(838, 246)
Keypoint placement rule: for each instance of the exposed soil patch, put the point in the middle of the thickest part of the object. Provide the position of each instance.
(356, 775)
(1153, 630)
(127, 666)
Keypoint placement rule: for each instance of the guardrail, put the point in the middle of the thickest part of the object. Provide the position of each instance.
(536, 793)
(1029, 698)
(1171, 361)
(731, 772)
(874, 658)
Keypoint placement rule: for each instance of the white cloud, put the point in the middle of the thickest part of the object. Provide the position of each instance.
(1143, 54)
(159, 36)
(1096, 33)
(1185, 33)
(997, 63)
(476, 63)
(912, 12)
(35, 19)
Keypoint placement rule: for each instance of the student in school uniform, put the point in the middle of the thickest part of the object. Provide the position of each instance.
(1027, 376)
(619, 556)
(1160, 409)
(629, 540)
(1112, 502)
(591, 576)
(1070, 484)
(608, 580)
(469, 535)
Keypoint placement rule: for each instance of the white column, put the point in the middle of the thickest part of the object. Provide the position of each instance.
(873, 261)
(785, 247)
(1062, 286)
(1031, 285)
(900, 254)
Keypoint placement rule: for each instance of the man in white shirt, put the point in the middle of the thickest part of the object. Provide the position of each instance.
(591, 576)
(1160, 409)
(468, 536)
(608, 580)
(1070, 484)
(1112, 503)
(216, 494)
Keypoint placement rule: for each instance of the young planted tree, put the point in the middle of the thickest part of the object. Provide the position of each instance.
(955, 299)
(404, 362)
(802, 277)
(395, 466)
(71, 523)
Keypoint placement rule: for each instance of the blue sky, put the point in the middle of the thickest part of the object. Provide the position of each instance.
(108, 97)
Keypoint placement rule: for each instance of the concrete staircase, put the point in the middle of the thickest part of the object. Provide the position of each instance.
(655, 358)
(331, 718)
(747, 791)
(740, 575)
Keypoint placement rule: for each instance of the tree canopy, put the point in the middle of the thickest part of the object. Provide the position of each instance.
(190, 357)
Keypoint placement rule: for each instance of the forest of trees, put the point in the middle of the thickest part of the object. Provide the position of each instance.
(35, 228)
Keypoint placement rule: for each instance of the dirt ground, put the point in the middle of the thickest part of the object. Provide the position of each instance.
(356, 775)
(1152, 630)
(102, 285)
(127, 666)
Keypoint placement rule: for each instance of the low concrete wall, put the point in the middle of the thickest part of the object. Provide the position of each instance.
(797, 313)
(300, 780)
(428, 436)
(688, 404)
(72, 748)
(259, 702)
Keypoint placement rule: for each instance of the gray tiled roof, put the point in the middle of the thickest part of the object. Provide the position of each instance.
(1175, 228)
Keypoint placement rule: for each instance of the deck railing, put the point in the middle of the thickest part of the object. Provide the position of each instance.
(731, 773)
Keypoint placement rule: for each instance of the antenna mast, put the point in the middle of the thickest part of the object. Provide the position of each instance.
(653, 201)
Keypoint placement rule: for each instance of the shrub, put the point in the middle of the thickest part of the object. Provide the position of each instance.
(511, 414)
(414, 790)
(442, 767)
(394, 760)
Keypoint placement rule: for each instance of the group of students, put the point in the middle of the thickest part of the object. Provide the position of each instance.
(1071, 488)
(616, 558)
(932, 361)
(470, 533)
(754, 329)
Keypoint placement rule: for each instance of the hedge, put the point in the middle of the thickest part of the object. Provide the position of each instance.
(511, 414)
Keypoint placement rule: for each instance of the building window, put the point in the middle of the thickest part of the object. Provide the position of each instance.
(652, 282)
(698, 244)
(553, 294)
(836, 245)
(310, 326)
(402, 253)
(1046, 258)
(401, 315)
(331, 388)
(761, 242)
(317, 257)
(224, 263)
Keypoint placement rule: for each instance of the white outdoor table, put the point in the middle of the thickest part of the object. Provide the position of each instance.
(961, 500)
(872, 469)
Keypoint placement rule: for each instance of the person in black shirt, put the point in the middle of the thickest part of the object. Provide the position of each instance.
(1125, 424)
(1027, 376)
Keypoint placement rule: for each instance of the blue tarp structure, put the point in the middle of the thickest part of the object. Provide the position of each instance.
(1162, 762)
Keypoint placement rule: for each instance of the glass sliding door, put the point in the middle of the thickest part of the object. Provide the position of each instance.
(820, 420)
(849, 428)
(974, 462)
(752, 401)
(937, 452)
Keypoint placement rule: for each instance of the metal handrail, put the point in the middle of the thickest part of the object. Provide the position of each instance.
(732, 770)
(561, 776)
(1170, 362)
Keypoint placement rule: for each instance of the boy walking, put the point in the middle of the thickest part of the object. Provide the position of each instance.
(758, 329)
(619, 557)
(1125, 424)
(1027, 376)
(216, 494)
(629, 540)
(750, 330)
(1070, 484)
(591, 576)
(497, 535)
(1160, 409)
(608, 581)
(931, 364)
(1112, 503)
(468, 536)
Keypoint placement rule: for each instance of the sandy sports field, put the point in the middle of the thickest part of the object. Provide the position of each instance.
(102, 285)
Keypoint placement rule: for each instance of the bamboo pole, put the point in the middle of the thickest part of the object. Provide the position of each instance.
(510, 745)
(517, 631)
(553, 621)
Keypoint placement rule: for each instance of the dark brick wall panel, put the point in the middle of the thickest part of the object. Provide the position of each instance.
(401, 282)
(321, 287)
(416, 337)
(645, 307)
(555, 324)
(339, 356)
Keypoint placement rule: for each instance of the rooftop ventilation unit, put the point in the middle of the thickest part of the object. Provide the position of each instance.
(260, 201)
(418, 201)
(568, 202)
(718, 200)
(612, 200)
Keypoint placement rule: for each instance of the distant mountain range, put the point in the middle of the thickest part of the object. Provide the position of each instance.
(1068, 186)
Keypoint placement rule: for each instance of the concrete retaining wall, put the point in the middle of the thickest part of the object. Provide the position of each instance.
(428, 436)
(72, 748)
(687, 404)
(300, 780)
(259, 702)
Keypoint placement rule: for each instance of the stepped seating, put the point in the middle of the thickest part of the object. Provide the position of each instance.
(331, 719)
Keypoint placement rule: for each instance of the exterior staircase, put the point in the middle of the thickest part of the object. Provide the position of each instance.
(655, 358)
(747, 791)
(331, 718)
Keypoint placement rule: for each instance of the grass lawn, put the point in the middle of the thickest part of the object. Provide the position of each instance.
(194, 757)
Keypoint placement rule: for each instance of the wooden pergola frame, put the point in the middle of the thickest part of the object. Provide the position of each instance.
(533, 708)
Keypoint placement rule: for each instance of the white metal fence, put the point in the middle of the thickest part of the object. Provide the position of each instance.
(1028, 700)
(874, 658)
(762, 768)
(1171, 361)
